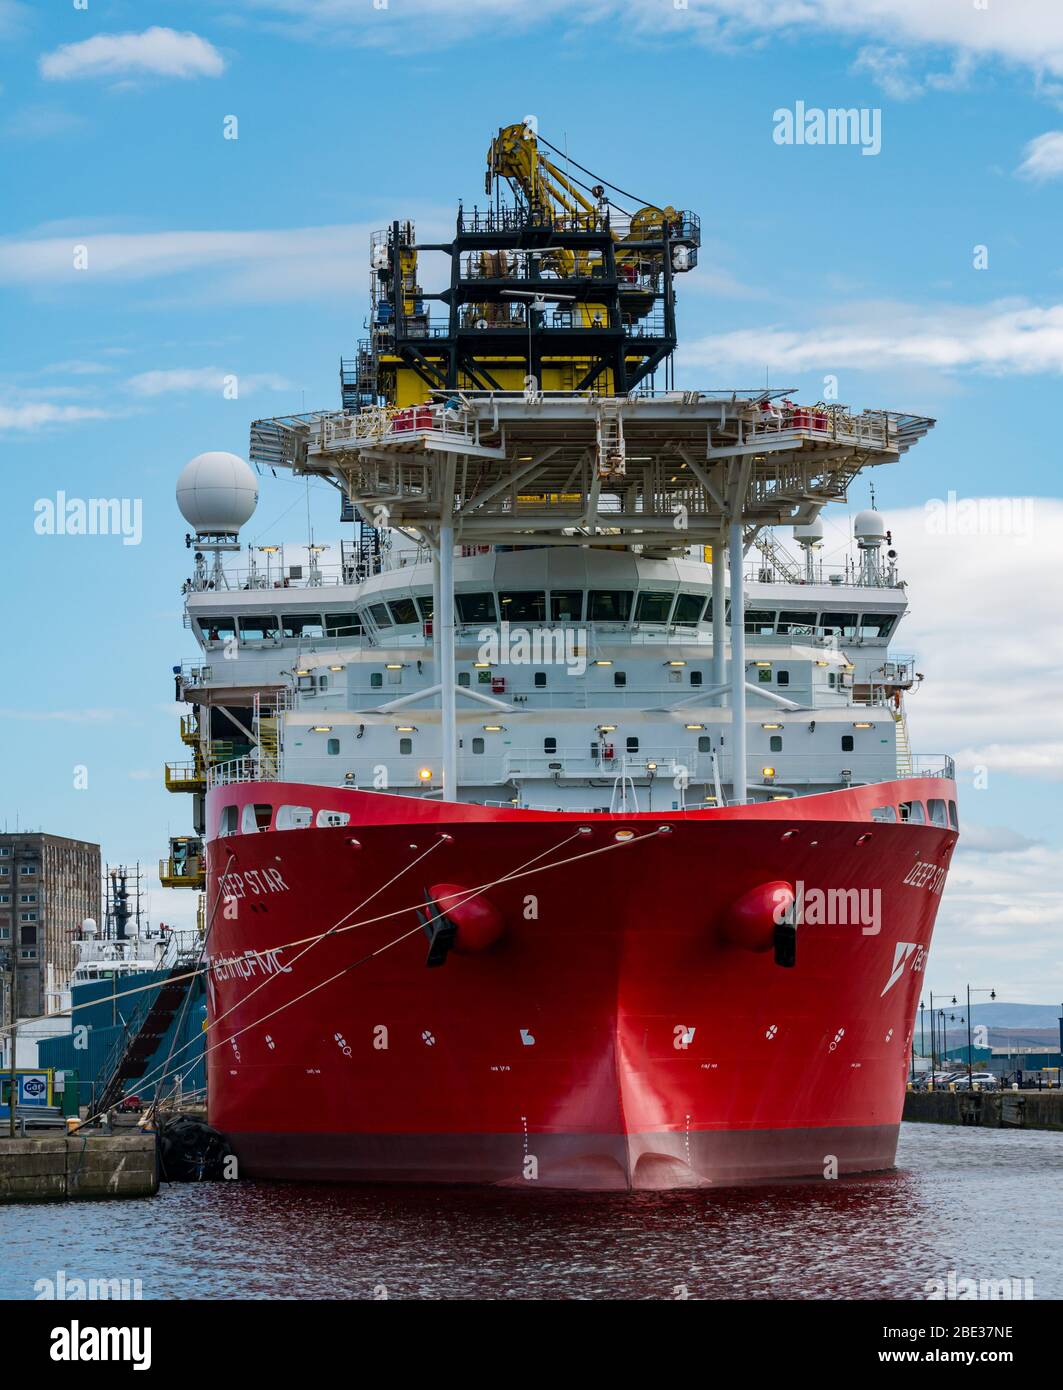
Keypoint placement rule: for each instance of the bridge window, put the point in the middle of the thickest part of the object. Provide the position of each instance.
(839, 624)
(620, 678)
(797, 624)
(259, 629)
(704, 744)
(566, 606)
(653, 607)
(523, 606)
(426, 607)
(376, 680)
(217, 629)
(540, 680)
(847, 743)
(696, 678)
(227, 823)
(549, 745)
(760, 622)
(775, 743)
(478, 745)
(380, 615)
(782, 677)
(403, 610)
(938, 814)
(632, 745)
(609, 606)
(342, 624)
(332, 747)
(476, 608)
(954, 816)
(301, 625)
(877, 625)
(688, 610)
(405, 745)
(912, 812)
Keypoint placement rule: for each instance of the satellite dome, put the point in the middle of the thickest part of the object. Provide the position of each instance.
(869, 526)
(88, 926)
(217, 493)
(809, 533)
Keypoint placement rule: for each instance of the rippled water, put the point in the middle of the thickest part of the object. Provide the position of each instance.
(985, 1203)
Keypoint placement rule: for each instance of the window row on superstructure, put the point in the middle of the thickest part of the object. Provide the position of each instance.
(649, 607)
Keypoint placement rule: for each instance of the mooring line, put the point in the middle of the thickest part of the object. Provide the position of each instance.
(519, 873)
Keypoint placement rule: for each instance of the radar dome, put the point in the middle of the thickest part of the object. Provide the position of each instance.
(810, 533)
(869, 526)
(88, 926)
(217, 493)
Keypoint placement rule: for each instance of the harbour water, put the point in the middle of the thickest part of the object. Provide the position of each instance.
(984, 1204)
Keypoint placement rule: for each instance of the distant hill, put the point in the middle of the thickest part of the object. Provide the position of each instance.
(1000, 1015)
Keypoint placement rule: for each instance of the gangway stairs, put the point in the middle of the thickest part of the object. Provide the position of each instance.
(136, 1047)
(904, 747)
(779, 560)
(612, 456)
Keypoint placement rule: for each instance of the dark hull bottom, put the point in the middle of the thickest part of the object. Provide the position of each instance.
(592, 1163)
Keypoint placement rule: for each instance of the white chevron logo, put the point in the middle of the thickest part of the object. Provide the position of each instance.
(902, 952)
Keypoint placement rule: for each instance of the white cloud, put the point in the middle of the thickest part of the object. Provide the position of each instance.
(34, 414)
(998, 925)
(41, 123)
(1026, 33)
(994, 839)
(156, 52)
(264, 266)
(984, 628)
(1043, 157)
(210, 379)
(889, 70)
(1005, 337)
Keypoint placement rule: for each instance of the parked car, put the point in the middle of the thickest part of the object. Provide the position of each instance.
(980, 1080)
(130, 1105)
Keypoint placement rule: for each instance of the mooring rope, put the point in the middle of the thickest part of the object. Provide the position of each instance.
(521, 872)
(337, 928)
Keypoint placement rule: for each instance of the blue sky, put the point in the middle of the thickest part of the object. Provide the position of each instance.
(209, 256)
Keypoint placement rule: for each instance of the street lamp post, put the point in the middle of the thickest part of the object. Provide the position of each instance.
(970, 1069)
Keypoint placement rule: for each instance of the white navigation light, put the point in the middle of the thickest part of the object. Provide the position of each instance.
(217, 493)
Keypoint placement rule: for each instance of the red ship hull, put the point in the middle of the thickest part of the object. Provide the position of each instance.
(613, 1036)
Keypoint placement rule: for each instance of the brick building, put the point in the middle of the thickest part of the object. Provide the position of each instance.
(48, 886)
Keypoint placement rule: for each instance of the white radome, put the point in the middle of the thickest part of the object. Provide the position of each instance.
(869, 526)
(217, 493)
(809, 533)
(88, 926)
